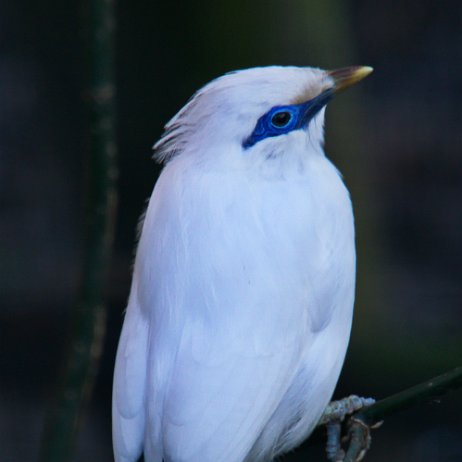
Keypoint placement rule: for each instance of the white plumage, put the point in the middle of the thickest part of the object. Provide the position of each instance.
(241, 303)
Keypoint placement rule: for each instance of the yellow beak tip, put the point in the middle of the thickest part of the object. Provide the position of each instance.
(347, 76)
(364, 71)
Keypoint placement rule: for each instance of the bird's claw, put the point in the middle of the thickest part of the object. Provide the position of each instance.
(338, 410)
(333, 416)
(334, 450)
(359, 438)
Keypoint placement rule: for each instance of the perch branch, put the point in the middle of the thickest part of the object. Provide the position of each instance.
(424, 392)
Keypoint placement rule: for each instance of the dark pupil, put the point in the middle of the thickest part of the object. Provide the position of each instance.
(281, 119)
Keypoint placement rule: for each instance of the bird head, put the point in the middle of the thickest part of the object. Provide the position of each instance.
(256, 115)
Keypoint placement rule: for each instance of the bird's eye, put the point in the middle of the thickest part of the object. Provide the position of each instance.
(281, 119)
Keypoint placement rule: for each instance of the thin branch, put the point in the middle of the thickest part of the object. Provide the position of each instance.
(418, 394)
(424, 392)
(100, 204)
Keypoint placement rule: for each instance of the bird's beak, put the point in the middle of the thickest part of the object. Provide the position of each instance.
(347, 76)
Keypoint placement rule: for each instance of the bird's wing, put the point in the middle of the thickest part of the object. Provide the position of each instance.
(225, 384)
(229, 320)
(128, 398)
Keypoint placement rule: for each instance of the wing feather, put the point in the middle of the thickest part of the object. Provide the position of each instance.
(129, 389)
(216, 409)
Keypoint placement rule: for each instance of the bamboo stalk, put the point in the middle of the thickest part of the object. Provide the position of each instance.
(89, 318)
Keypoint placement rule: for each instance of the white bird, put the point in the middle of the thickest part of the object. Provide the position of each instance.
(242, 296)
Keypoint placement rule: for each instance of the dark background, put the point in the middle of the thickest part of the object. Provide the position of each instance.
(397, 138)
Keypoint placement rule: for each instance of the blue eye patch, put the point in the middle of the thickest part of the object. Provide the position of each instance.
(281, 120)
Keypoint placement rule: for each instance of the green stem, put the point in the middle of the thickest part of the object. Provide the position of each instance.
(423, 392)
(100, 204)
(362, 421)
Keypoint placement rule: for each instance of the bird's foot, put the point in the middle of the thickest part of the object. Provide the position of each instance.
(333, 416)
(334, 450)
(336, 411)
